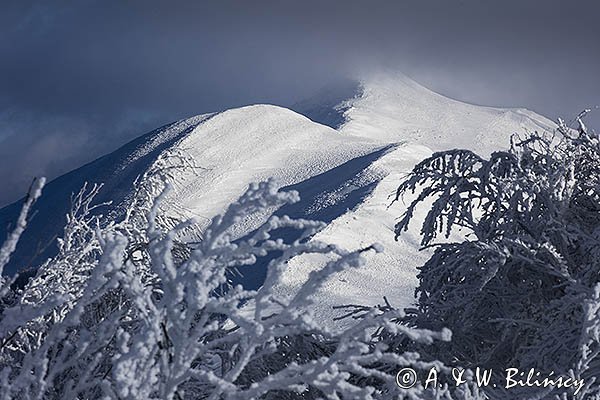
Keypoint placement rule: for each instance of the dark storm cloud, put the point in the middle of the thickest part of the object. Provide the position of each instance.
(77, 79)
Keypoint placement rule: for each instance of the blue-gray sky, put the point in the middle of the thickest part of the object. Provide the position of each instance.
(80, 78)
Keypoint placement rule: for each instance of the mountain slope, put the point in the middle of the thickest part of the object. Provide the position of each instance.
(117, 171)
(232, 149)
(385, 124)
(254, 143)
(392, 108)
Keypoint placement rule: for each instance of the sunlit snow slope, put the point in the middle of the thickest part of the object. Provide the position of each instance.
(393, 108)
(345, 156)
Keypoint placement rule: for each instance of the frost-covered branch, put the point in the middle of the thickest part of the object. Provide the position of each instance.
(129, 310)
(522, 290)
(10, 244)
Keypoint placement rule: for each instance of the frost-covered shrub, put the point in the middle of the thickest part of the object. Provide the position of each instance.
(521, 290)
(129, 310)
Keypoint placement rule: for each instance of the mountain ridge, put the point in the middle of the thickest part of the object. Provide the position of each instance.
(345, 175)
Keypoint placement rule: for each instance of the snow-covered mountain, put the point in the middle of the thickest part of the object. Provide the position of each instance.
(345, 150)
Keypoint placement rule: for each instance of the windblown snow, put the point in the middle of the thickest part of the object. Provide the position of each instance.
(345, 174)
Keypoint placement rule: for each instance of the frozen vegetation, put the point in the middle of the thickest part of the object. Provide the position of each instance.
(127, 311)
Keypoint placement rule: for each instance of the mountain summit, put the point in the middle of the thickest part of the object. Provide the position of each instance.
(391, 107)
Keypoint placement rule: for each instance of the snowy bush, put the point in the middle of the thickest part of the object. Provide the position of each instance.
(522, 289)
(129, 310)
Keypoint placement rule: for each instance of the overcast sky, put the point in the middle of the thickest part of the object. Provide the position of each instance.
(78, 79)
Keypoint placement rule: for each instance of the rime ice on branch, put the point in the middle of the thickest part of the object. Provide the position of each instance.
(97, 321)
